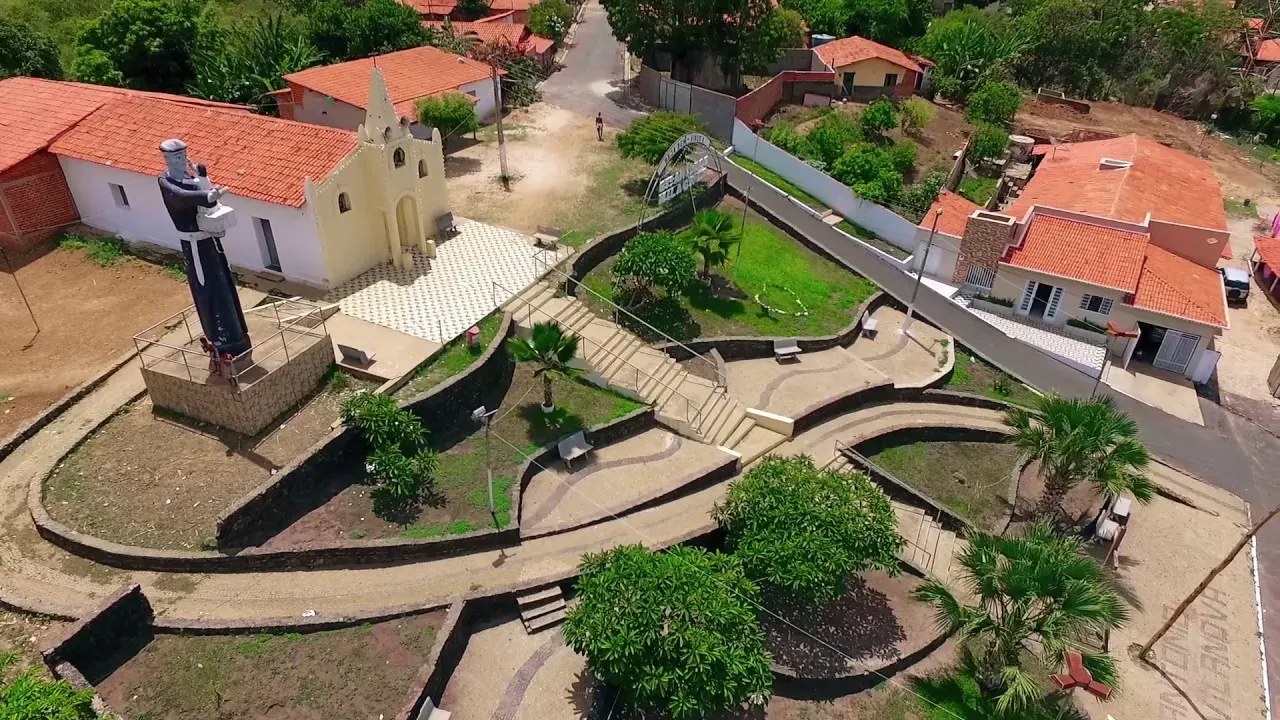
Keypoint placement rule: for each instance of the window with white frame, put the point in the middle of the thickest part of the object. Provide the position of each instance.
(119, 195)
(1096, 304)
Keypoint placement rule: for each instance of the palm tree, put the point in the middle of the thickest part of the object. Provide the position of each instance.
(552, 349)
(713, 234)
(1036, 595)
(1082, 440)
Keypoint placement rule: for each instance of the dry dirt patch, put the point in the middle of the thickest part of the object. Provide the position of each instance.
(88, 315)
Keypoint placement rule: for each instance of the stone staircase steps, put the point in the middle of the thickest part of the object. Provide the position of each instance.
(719, 435)
(542, 609)
(740, 432)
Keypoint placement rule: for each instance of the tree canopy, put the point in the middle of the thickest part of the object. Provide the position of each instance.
(674, 631)
(870, 171)
(550, 18)
(653, 260)
(451, 113)
(146, 44)
(804, 530)
(995, 103)
(346, 31)
(649, 137)
(27, 51)
(244, 64)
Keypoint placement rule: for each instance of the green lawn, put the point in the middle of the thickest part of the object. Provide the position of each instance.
(978, 190)
(974, 375)
(777, 181)
(785, 274)
(1236, 208)
(453, 359)
(969, 478)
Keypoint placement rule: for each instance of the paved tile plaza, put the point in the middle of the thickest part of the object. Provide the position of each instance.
(1048, 339)
(438, 298)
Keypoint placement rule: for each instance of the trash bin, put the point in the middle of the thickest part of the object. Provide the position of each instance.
(473, 336)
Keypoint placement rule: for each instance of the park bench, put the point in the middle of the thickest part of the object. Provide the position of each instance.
(573, 447)
(786, 349)
(548, 237)
(869, 327)
(446, 226)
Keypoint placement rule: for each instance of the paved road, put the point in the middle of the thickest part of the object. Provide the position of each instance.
(591, 79)
(1232, 453)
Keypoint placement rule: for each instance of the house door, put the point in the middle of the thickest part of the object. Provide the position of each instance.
(848, 83)
(1176, 351)
(1040, 301)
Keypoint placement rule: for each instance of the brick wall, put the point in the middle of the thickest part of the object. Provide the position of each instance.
(252, 409)
(35, 196)
(756, 104)
(984, 241)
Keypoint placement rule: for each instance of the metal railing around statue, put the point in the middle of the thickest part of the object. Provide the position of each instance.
(284, 322)
(546, 267)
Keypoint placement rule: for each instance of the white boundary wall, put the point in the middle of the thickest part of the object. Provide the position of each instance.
(839, 197)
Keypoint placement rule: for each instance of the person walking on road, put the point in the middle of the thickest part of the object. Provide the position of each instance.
(600, 126)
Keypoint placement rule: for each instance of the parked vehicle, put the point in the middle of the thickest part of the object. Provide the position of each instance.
(1236, 282)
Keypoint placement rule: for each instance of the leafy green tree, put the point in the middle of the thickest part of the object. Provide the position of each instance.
(400, 464)
(921, 195)
(878, 119)
(93, 66)
(989, 142)
(713, 235)
(552, 350)
(653, 260)
(893, 22)
(783, 135)
(903, 155)
(833, 134)
(650, 136)
(383, 423)
(1082, 440)
(869, 171)
(1035, 594)
(30, 697)
(738, 36)
(347, 31)
(1076, 44)
(968, 46)
(781, 28)
(151, 43)
(473, 9)
(916, 114)
(675, 631)
(451, 113)
(251, 60)
(822, 16)
(804, 530)
(550, 18)
(27, 51)
(995, 103)
(1266, 116)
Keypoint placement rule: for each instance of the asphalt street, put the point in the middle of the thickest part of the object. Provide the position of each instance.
(591, 79)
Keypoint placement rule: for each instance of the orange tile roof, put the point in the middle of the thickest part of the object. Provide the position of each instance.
(1176, 286)
(1268, 250)
(847, 51)
(258, 157)
(540, 44)
(485, 32)
(956, 210)
(1171, 185)
(33, 112)
(1081, 251)
(410, 76)
(432, 7)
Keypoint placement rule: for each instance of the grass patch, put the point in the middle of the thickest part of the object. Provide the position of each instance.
(777, 181)
(173, 271)
(453, 359)
(105, 251)
(873, 240)
(974, 375)
(611, 201)
(1237, 208)
(431, 530)
(970, 478)
(978, 190)
(785, 274)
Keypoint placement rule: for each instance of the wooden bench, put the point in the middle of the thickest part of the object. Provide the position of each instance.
(784, 350)
(548, 237)
(355, 356)
(573, 447)
(446, 226)
(869, 327)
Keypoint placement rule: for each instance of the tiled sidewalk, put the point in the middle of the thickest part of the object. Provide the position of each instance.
(1040, 336)
(438, 298)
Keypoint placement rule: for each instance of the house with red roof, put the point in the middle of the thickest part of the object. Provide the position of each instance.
(866, 70)
(517, 35)
(516, 11)
(1122, 233)
(316, 206)
(337, 95)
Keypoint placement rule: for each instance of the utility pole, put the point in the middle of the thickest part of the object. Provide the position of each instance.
(1182, 607)
(484, 415)
(502, 139)
(924, 262)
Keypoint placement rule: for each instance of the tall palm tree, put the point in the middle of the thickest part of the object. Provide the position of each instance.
(552, 349)
(713, 235)
(1036, 595)
(1082, 440)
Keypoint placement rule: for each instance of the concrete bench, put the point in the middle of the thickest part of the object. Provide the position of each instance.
(446, 225)
(548, 237)
(355, 356)
(870, 327)
(573, 447)
(784, 350)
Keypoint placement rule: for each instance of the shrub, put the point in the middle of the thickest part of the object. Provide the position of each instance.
(921, 195)
(995, 103)
(400, 465)
(916, 113)
(1266, 116)
(903, 155)
(870, 172)
(653, 260)
(550, 19)
(803, 530)
(989, 143)
(878, 119)
(1082, 323)
(675, 631)
(649, 137)
(30, 696)
(784, 137)
(831, 136)
(451, 113)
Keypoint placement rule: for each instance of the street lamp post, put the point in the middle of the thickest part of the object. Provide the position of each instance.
(483, 415)
(924, 262)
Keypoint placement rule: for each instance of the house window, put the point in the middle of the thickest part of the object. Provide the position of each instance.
(397, 157)
(422, 168)
(1096, 304)
(890, 79)
(344, 203)
(267, 244)
(119, 195)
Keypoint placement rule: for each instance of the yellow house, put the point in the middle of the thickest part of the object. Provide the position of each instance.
(866, 70)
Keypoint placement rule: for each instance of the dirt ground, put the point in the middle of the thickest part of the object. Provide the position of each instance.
(87, 315)
(969, 478)
(565, 177)
(158, 480)
(359, 672)
(23, 635)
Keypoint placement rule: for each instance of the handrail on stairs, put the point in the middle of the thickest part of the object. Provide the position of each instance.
(692, 415)
(541, 261)
(847, 451)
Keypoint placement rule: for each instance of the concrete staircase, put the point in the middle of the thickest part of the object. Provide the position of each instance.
(542, 609)
(929, 546)
(691, 405)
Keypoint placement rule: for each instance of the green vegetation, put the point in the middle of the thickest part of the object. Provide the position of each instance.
(400, 465)
(713, 236)
(451, 113)
(1083, 324)
(433, 530)
(810, 295)
(969, 478)
(974, 375)
(1038, 595)
(803, 530)
(1237, 208)
(873, 240)
(551, 350)
(649, 137)
(989, 142)
(777, 181)
(550, 18)
(877, 119)
(455, 357)
(978, 189)
(105, 251)
(649, 262)
(916, 114)
(675, 631)
(993, 103)
(27, 51)
(28, 695)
